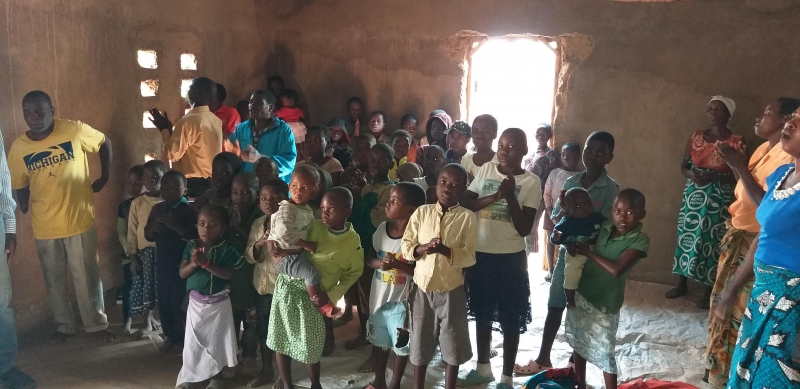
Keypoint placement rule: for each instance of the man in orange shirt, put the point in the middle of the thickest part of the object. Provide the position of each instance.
(743, 228)
(229, 116)
(195, 139)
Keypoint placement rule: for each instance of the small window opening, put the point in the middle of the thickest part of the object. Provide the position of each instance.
(146, 123)
(150, 156)
(188, 62)
(185, 88)
(149, 88)
(148, 59)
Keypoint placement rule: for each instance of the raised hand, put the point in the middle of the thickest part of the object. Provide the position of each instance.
(160, 119)
(735, 157)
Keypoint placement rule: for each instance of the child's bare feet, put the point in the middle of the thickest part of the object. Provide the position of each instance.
(155, 325)
(264, 376)
(126, 328)
(367, 366)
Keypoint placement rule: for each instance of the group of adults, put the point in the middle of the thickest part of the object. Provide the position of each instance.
(737, 236)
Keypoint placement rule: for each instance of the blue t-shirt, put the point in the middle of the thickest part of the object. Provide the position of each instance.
(578, 230)
(276, 143)
(780, 220)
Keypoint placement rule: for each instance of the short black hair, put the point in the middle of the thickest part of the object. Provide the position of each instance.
(267, 96)
(571, 146)
(547, 127)
(250, 180)
(383, 115)
(572, 192)
(222, 94)
(276, 79)
(412, 193)
(205, 87)
(155, 164)
(407, 118)
(177, 174)
(280, 185)
(633, 196)
(384, 148)
(291, 94)
(341, 193)
(136, 170)
(311, 170)
(517, 132)
(488, 119)
(265, 159)
(401, 133)
(323, 131)
(602, 137)
(788, 105)
(229, 158)
(220, 211)
(434, 147)
(458, 169)
(354, 99)
(36, 95)
(369, 138)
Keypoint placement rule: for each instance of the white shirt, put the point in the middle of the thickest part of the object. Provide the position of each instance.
(389, 285)
(472, 169)
(496, 232)
(7, 203)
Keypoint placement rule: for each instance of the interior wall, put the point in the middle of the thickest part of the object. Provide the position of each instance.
(83, 53)
(647, 81)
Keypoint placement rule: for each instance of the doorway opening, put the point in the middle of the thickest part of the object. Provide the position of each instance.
(514, 80)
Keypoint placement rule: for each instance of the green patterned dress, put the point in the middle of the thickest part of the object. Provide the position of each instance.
(704, 210)
(296, 328)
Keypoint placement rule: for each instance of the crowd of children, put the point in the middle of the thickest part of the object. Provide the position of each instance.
(420, 232)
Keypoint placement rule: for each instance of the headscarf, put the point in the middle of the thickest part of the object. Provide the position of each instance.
(409, 171)
(440, 115)
(729, 103)
(339, 123)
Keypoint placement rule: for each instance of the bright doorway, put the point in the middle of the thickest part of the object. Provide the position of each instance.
(513, 79)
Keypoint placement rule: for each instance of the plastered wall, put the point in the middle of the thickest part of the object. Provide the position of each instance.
(648, 79)
(83, 53)
(650, 74)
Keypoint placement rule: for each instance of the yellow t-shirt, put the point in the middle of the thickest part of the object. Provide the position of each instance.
(57, 171)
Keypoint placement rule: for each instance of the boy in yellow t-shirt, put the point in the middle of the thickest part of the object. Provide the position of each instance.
(48, 164)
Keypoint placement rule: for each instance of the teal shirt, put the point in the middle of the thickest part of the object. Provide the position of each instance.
(601, 289)
(603, 192)
(223, 255)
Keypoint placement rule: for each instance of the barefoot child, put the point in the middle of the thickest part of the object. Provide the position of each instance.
(484, 131)
(377, 124)
(387, 306)
(171, 224)
(400, 143)
(296, 328)
(317, 140)
(408, 122)
(591, 327)
(598, 151)
(580, 224)
(433, 164)
(244, 195)
(570, 158)
(504, 197)
(458, 136)
(208, 264)
(271, 194)
(368, 213)
(265, 169)
(440, 238)
(224, 167)
(134, 188)
(289, 231)
(143, 252)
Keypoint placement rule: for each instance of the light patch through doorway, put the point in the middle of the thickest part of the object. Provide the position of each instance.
(148, 59)
(514, 81)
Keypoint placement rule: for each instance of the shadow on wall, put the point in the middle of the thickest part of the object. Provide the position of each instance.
(337, 83)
